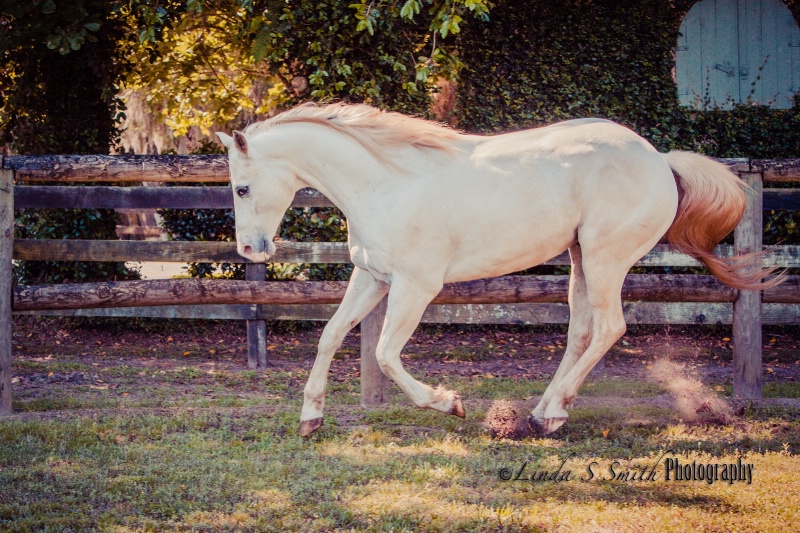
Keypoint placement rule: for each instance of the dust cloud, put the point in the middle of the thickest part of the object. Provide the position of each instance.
(695, 403)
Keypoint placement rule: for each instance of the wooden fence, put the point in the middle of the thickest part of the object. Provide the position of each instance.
(649, 298)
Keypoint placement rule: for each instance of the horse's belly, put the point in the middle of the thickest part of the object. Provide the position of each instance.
(509, 224)
(515, 251)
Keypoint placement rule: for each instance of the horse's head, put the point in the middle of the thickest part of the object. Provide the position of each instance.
(263, 189)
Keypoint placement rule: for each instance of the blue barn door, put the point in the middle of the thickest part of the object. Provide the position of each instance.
(738, 51)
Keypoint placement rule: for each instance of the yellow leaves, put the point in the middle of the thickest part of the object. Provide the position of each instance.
(200, 76)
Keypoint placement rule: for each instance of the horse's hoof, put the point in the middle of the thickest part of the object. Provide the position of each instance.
(545, 426)
(458, 408)
(536, 424)
(307, 427)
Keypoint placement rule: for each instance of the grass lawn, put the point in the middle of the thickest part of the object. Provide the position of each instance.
(185, 446)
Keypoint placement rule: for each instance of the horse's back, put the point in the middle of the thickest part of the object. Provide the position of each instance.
(578, 137)
(583, 157)
(541, 187)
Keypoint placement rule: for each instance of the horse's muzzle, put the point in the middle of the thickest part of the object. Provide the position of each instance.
(257, 254)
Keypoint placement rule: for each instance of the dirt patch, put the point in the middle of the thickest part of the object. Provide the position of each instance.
(507, 420)
(50, 350)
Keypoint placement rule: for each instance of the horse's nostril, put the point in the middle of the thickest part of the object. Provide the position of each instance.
(248, 249)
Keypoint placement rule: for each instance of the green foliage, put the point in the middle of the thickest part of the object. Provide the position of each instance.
(377, 52)
(745, 131)
(203, 225)
(220, 62)
(197, 72)
(61, 63)
(538, 63)
(554, 61)
(312, 225)
(67, 224)
(305, 225)
(339, 50)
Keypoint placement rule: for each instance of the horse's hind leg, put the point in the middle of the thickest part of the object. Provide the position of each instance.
(603, 285)
(407, 303)
(579, 334)
(363, 294)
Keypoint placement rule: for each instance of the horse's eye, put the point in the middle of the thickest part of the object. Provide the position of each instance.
(242, 191)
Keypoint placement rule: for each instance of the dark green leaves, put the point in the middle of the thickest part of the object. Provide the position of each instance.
(261, 44)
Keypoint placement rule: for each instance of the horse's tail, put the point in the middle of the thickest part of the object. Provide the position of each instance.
(711, 204)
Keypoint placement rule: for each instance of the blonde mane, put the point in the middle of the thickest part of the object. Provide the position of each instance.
(374, 129)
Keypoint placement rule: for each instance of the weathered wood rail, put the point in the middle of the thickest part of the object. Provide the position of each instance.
(27, 182)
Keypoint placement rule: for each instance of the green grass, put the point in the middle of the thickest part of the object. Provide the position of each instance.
(50, 366)
(775, 389)
(186, 450)
(395, 469)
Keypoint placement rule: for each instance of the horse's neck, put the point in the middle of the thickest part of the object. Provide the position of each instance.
(343, 170)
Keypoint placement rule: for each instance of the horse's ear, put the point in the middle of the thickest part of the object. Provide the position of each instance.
(225, 139)
(241, 142)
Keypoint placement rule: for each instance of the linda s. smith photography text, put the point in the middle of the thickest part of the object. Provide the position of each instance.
(664, 468)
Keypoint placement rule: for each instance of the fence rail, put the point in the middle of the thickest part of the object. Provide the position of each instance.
(502, 290)
(27, 182)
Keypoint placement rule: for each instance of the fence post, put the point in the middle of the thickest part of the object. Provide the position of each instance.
(374, 383)
(6, 246)
(256, 329)
(747, 311)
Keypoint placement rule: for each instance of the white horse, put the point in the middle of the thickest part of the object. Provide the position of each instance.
(426, 205)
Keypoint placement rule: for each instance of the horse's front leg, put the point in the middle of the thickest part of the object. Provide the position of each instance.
(407, 302)
(362, 295)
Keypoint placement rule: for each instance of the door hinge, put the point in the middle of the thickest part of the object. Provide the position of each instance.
(727, 68)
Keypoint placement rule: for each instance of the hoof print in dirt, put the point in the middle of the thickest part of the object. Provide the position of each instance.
(507, 421)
